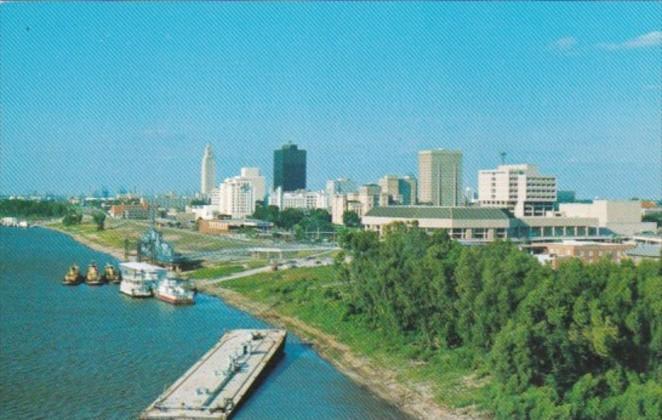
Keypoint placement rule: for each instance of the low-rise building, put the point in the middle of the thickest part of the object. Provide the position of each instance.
(644, 251)
(224, 226)
(299, 199)
(129, 211)
(588, 252)
(614, 217)
(480, 224)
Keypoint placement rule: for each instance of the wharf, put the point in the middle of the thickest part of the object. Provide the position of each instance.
(218, 383)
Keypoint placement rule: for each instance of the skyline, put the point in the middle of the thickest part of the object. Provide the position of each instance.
(128, 94)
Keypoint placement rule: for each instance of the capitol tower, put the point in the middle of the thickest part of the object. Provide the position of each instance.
(208, 172)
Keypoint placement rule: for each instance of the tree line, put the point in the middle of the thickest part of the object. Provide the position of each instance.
(584, 341)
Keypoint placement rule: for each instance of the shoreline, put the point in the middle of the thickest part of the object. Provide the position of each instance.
(413, 400)
(119, 255)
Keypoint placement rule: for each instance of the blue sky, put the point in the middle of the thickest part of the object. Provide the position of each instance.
(128, 94)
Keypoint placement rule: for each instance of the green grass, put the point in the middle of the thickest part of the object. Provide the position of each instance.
(117, 231)
(457, 377)
(221, 270)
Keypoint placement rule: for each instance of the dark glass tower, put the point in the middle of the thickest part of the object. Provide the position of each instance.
(290, 168)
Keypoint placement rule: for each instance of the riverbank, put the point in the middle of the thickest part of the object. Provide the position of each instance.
(114, 252)
(415, 396)
(411, 399)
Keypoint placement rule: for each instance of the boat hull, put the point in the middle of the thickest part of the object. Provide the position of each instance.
(175, 300)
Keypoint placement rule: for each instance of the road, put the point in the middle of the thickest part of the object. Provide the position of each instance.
(295, 263)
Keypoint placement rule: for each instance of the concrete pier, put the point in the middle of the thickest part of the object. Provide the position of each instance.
(217, 383)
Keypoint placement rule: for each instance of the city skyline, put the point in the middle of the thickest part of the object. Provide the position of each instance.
(128, 95)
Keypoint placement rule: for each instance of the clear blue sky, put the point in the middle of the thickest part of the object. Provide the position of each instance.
(128, 94)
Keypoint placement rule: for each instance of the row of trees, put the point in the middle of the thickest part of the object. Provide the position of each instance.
(584, 341)
(33, 208)
(300, 221)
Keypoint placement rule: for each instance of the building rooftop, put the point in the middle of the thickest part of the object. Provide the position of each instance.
(430, 212)
(141, 266)
(645, 250)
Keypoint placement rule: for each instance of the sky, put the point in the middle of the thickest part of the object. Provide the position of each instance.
(122, 94)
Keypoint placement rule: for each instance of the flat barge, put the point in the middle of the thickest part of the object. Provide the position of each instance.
(215, 386)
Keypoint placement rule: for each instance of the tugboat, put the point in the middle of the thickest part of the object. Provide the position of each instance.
(73, 277)
(93, 278)
(172, 290)
(111, 274)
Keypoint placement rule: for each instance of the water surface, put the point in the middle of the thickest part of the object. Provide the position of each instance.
(90, 352)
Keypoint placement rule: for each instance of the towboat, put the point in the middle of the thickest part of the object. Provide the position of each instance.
(172, 290)
(73, 277)
(111, 274)
(93, 277)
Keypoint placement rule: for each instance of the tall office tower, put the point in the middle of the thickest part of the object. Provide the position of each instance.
(290, 168)
(255, 176)
(519, 188)
(440, 177)
(208, 172)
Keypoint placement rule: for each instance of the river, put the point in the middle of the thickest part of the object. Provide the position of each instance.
(90, 352)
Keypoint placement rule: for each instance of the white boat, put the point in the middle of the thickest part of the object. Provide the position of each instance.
(172, 290)
(140, 279)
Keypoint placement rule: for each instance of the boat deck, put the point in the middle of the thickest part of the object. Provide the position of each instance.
(217, 383)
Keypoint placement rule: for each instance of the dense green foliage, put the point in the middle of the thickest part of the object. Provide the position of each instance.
(33, 208)
(351, 219)
(584, 341)
(301, 222)
(73, 216)
(99, 218)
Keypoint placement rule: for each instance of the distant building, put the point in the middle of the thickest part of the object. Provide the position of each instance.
(368, 197)
(587, 251)
(300, 199)
(340, 186)
(643, 252)
(129, 211)
(615, 217)
(208, 171)
(255, 176)
(290, 168)
(518, 188)
(400, 190)
(440, 177)
(566, 196)
(237, 197)
(224, 226)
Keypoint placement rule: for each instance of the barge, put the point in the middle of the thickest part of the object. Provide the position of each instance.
(215, 386)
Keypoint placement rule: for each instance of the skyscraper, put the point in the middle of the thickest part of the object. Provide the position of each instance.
(440, 177)
(290, 168)
(208, 172)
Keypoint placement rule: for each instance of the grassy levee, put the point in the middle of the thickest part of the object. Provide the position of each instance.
(115, 233)
(453, 379)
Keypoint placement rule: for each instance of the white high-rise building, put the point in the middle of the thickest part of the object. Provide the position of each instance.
(237, 197)
(519, 188)
(255, 176)
(208, 172)
(440, 177)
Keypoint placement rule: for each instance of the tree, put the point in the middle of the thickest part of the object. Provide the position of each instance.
(351, 219)
(99, 218)
(72, 217)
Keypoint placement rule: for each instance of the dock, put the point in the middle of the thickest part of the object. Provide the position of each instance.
(219, 382)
